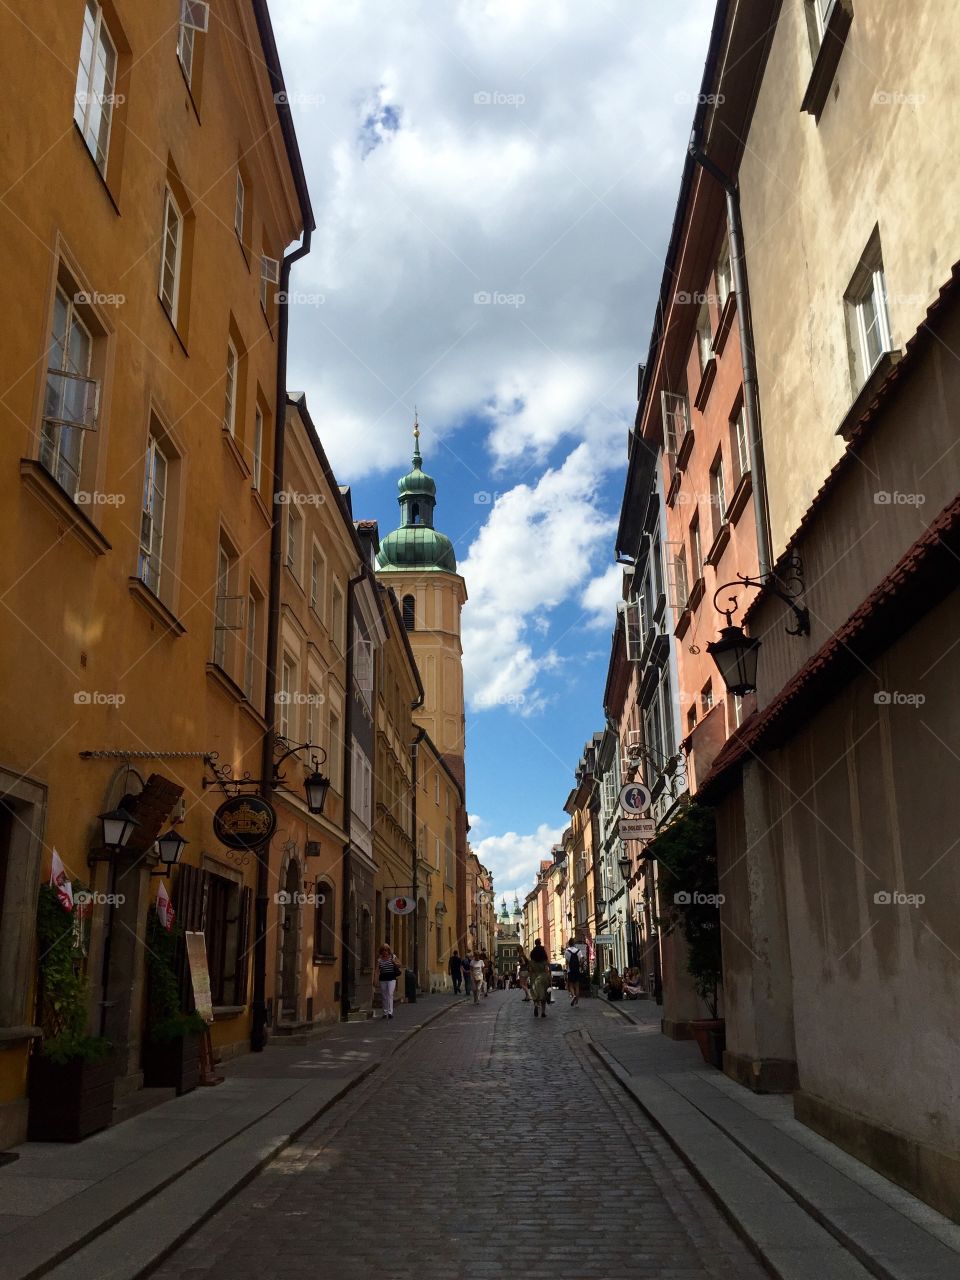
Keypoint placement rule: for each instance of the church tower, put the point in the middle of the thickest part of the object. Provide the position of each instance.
(419, 563)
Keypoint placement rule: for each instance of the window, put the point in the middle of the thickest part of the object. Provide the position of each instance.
(362, 786)
(151, 516)
(736, 708)
(228, 610)
(718, 496)
(172, 256)
(257, 460)
(70, 400)
(314, 701)
(724, 275)
(738, 445)
(676, 420)
(681, 585)
(194, 19)
(318, 582)
(221, 909)
(288, 686)
(96, 81)
(691, 717)
(436, 845)
(251, 675)
(696, 556)
(704, 337)
(325, 922)
(706, 697)
(868, 322)
(363, 665)
(230, 398)
(819, 11)
(409, 613)
(335, 750)
(336, 620)
(436, 788)
(238, 208)
(294, 540)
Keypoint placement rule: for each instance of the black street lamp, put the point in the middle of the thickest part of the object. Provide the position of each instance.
(316, 788)
(169, 847)
(626, 865)
(736, 653)
(117, 827)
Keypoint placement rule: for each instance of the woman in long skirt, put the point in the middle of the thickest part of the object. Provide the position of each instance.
(539, 978)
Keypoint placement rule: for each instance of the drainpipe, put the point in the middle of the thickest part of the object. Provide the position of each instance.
(258, 1032)
(751, 399)
(346, 931)
(414, 760)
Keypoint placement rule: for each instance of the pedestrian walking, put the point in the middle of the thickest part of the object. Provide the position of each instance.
(539, 978)
(488, 975)
(476, 973)
(466, 966)
(455, 968)
(574, 971)
(388, 971)
(523, 976)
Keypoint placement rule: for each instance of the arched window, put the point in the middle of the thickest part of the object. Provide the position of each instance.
(409, 613)
(325, 929)
(416, 513)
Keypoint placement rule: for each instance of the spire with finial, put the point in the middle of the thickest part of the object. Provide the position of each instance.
(417, 459)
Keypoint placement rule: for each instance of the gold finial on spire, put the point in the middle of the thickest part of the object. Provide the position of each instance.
(416, 424)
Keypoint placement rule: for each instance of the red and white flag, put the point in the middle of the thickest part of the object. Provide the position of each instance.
(61, 882)
(165, 912)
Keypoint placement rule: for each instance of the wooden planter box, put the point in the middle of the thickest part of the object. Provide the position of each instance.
(172, 1065)
(68, 1102)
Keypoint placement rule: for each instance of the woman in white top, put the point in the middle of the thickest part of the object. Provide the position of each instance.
(388, 971)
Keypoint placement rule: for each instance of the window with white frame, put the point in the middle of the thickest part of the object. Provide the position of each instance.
(718, 495)
(194, 20)
(294, 540)
(288, 688)
(696, 554)
(314, 701)
(335, 749)
(868, 322)
(171, 256)
(238, 208)
(230, 395)
(152, 508)
(318, 582)
(678, 587)
(70, 397)
(96, 84)
(819, 11)
(738, 444)
(706, 697)
(336, 617)
(363, 665)
(362, 792)
(704, 337)
(257, 452)
(675, 411)
(724, 275)
(228, 607)
(250, 665)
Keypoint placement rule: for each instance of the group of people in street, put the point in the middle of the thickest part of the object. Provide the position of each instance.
(471, 974)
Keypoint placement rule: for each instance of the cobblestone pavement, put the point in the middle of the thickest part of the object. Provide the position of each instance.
(492, 1144)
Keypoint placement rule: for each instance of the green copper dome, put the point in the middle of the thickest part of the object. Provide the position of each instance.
(416, 544)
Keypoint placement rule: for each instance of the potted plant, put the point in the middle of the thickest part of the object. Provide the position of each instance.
(71, 1073)
(171, 1045)
(686, 851)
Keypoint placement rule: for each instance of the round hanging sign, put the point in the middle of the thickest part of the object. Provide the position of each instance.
(401, 906)
(244, 822)
(634, 797)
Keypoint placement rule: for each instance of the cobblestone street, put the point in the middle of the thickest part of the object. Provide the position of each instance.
(492, 1143)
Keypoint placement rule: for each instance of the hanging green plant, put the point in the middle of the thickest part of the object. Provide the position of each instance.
(166, 1020)
(686, 853)
(63, 988)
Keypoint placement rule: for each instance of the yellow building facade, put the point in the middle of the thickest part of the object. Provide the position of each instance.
(151, 187)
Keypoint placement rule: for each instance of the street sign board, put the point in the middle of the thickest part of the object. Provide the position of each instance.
(637, 828)
(634, 798)
(604, 939)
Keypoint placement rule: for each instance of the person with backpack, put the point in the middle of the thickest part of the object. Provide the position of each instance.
(388, 971)
(539, 967)
(574, 970)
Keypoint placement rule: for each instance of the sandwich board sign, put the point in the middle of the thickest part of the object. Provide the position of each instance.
(634, 798)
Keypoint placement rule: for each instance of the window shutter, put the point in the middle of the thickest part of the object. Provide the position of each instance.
(633, 630)
(676, 419)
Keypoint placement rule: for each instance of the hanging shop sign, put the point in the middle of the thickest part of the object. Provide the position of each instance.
(401, 906)
(244, 822)
(637, 828)
(634, 797)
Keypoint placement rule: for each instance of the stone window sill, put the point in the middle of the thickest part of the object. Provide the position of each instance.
(870, 389)
(235, 453)
(155, 607)
(707, 380)
(38, 481)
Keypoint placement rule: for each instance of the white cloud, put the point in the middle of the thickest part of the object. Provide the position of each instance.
(500, 147)
(535, 551)
(515, 859)
(601, 596)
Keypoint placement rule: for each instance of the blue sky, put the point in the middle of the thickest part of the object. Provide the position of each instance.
(493, 183)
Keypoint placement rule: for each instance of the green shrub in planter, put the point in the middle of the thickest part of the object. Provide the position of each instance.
(166, 1021)
(689, 895)
(63, 987)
